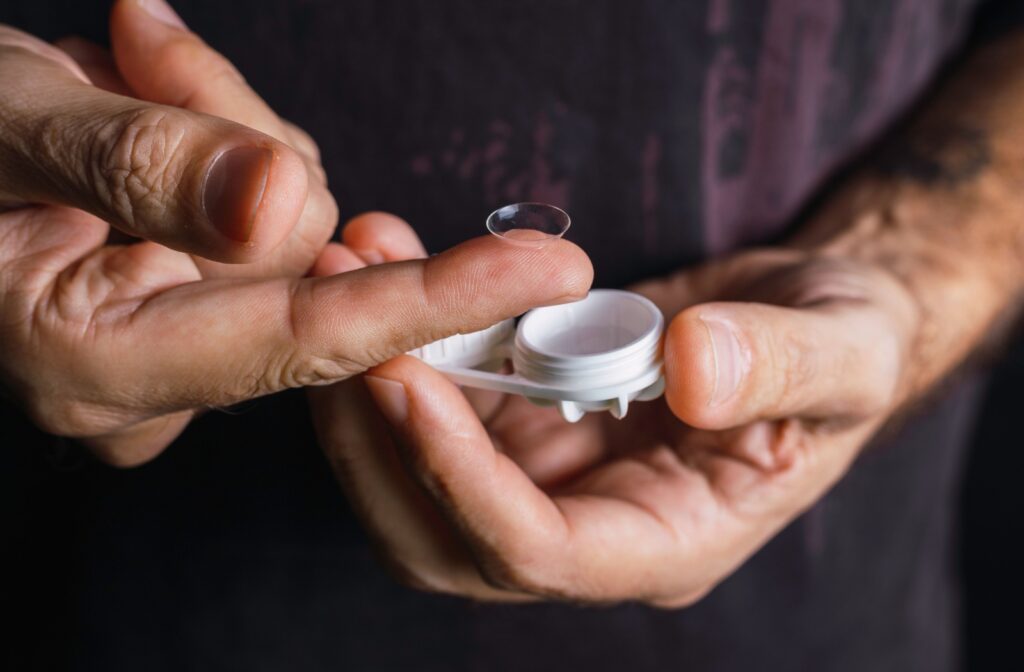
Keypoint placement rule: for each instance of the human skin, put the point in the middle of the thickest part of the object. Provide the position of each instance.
(780, 365)
(149, 271)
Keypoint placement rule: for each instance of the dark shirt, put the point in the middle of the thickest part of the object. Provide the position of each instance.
(671, 131)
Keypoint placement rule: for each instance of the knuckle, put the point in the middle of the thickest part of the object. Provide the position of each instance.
(306, 359)
(300, 369)
(138, 162)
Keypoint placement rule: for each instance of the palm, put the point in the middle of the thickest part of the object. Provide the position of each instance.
(649, 480)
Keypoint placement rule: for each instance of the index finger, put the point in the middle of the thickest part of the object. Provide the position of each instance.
(249, 338)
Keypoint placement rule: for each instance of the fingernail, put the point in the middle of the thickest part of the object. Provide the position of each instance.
(390, 397)
(371, 257)
(162, 12)
(234, 188)
(731, 362)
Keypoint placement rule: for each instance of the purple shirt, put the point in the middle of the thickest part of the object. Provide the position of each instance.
(670, 131)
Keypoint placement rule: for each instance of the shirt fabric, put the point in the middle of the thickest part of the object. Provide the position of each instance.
(671, 132)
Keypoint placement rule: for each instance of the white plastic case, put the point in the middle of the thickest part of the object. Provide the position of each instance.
(596, 354)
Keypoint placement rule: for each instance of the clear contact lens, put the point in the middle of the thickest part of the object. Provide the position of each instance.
(528, 222)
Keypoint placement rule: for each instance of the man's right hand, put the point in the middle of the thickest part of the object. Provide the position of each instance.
(118, 344)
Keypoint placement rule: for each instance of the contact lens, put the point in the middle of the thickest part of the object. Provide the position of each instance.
(528, 222)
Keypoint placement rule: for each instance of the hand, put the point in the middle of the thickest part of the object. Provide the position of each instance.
(779, 366)
(80, 151)
(163, 141)
(118, 345)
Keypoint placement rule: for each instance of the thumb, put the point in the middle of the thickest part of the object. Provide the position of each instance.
(191, 182)
(730, 363)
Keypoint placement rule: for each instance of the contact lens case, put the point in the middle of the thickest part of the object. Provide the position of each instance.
(597, 354)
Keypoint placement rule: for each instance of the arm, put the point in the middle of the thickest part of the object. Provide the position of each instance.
(780, 365)
(941, 207)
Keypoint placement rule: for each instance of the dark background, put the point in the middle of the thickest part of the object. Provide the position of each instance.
(993, 498)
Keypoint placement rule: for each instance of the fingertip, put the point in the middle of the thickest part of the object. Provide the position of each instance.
(690, 370)
(383, 234)
(435, 404)
(165, 62)
(253, 195)
(335, 258)
(555, 272)
(137, 27)
(578, 268)
(153, 48)
(557, 266)
(134, 16)
(410, 371)
(423, 380)
(282, 201)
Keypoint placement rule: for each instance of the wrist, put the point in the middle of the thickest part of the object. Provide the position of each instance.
(955, 248)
